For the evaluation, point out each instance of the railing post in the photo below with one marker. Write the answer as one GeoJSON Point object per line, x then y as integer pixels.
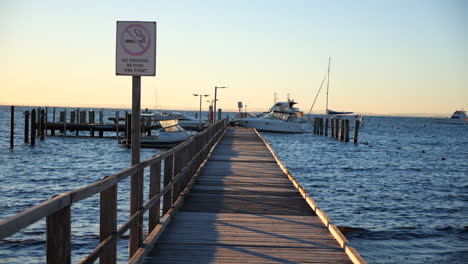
{"type": "Point", "coordinates": [59, 236]}
{"type": "Point", "coordinates": [136, 202]}
{"type": "Point", "coordinates": [168, 173]}
{"type": "Point", "coordinates": [154, 189]}
{"type": "Point", "coordinates": [108, 223]}
{"type": "Point", "coordinates": [178, 164]}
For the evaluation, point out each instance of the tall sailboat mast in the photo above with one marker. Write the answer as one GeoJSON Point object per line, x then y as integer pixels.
{"type": "Point", "coordinates": [328, 84]}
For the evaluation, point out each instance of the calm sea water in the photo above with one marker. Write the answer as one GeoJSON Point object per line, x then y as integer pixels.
{"type": "Point", "coordinates": [403, 189]}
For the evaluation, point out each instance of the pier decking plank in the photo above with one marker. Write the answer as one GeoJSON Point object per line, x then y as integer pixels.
{"type": "Point", "coordinates": [244, 209]}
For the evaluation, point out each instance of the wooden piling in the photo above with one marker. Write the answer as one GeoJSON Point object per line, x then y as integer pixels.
{"type": "Point", "coordinates": [78, 121]}
{"type": "Point", "coordinates": [117, 121]}
{"type": "Point", "coordinates": [42, 125]}
{"type": "Point", "coordinates": [82, 117]}
{"type": "Point", "coordinates": [26, 127]}
{"type": "Point", "coordinates": [72, 117]}
{"type": "Point", "coordinates": [33, 127]}
{"type": "Point", "coordinates": [62, 117]}
{"type": "Point", "coordinates": [91, 117]}
{"type": "Point", "coordinates": [53, 115]}
{"type": "Point", "coordinates": [346, 134]}
{"type": "Point", "coordinates": [12, 126]}
{"type": "Point", "coordinates": [341, 130]}
{"type": "Point", "coordinates": [65, 123]}
{"type": "Point", "coordinates": [315, 127]}
{"type": "Point", "coordinates": [77, 116]}
{"type": "Point", "coordinates": [332, 127]}
{"type": "Point", "coordinates": [101, 117]}
{"type": "Point", "coordinates": [128, 128]}
{"type": "Point", "coordinates": [39, 123]}
{"type": "Point", "coordinates": [321, 126]}
{"type": "Point", "coordinates": [337, 128]}
{"type": "Point", "coordinates": [356, 131]}
{"type": "Point", "coordinates": [101, 121]}
{"type": "Point", "coordinates": [326, 126]}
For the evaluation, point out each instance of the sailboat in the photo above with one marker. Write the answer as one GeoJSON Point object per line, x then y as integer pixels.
{"type": "Point", "coordinates": [330, 112]}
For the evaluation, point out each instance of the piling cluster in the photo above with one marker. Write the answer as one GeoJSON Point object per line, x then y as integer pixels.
{"type": "Point", "coordinates": [337, 128]}
{"type": "Point", "coordinates": [36, 124]}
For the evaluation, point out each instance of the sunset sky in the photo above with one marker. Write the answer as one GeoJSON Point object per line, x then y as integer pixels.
{"type": "Point", "coordinates": [388, 57]}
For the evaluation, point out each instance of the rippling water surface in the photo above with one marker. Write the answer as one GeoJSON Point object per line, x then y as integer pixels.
{"type": "Point", "coordinates": [403, 189]}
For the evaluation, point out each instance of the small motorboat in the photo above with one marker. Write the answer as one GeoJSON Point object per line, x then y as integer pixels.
{"type": "Point", "coordinates": [185, 121]}
{"type": "Point", "coordinates": [170, 134]}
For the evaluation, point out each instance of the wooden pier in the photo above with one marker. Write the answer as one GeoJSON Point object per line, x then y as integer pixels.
{"type": "Point", "coordinates": [220, 197]}
{"type": "Point", "coordinates": [245, 209]}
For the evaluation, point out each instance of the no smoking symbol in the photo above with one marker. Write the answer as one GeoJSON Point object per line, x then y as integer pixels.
{"type": "Point", "coordinates": [135, 40]}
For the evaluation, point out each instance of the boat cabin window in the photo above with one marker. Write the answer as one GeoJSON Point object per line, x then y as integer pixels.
{"type": "Point", "coordinates": [277, 115]}
{"type": "Point", "coordinates": [175, 128]}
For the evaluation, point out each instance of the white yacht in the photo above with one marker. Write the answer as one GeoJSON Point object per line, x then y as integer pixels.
{"type": "Point", "coordinates": [458, 117]}
{"type": "Point", "coordinates": [282, 117]}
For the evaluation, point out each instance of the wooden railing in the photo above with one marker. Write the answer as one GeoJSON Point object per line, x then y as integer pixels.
{"type": "Point", "coordinates": [180, 170]}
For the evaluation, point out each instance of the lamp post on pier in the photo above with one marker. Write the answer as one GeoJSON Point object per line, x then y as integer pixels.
{"type": "Point", "coordinates": [199, 115]}
{"type": "Point", "coordinates": [216, 92]}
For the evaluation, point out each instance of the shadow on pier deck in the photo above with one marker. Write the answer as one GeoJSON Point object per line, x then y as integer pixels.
{"type": "Point", "coordinates": [245, 209]}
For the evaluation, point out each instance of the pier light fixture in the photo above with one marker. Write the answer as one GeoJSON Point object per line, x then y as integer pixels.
{"type": "Point", "coordinates": [216, 93]}
{"type": "Point", "coordinates": [199, 115]}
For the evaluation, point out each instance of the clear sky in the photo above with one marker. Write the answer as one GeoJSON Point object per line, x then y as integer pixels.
{"type": "Point", "coordinates": [388, 57]}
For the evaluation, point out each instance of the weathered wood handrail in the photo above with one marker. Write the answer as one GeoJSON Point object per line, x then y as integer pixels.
{"type": "Point", "coordinates": [180, 164]}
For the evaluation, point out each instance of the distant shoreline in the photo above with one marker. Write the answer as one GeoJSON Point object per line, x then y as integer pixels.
{"type": "Point", "coordinates": [234, 110]}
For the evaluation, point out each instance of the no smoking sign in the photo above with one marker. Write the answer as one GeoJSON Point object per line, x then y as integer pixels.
{"type": "Point", "coordinates": [136, 48]}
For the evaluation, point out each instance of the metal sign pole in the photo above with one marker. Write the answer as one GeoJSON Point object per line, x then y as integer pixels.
{"type": "Point", "coordinates": [136, 57]}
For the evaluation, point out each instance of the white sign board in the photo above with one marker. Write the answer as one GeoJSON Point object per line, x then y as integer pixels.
{"type": "Point", "coordinates": [136, 48]}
